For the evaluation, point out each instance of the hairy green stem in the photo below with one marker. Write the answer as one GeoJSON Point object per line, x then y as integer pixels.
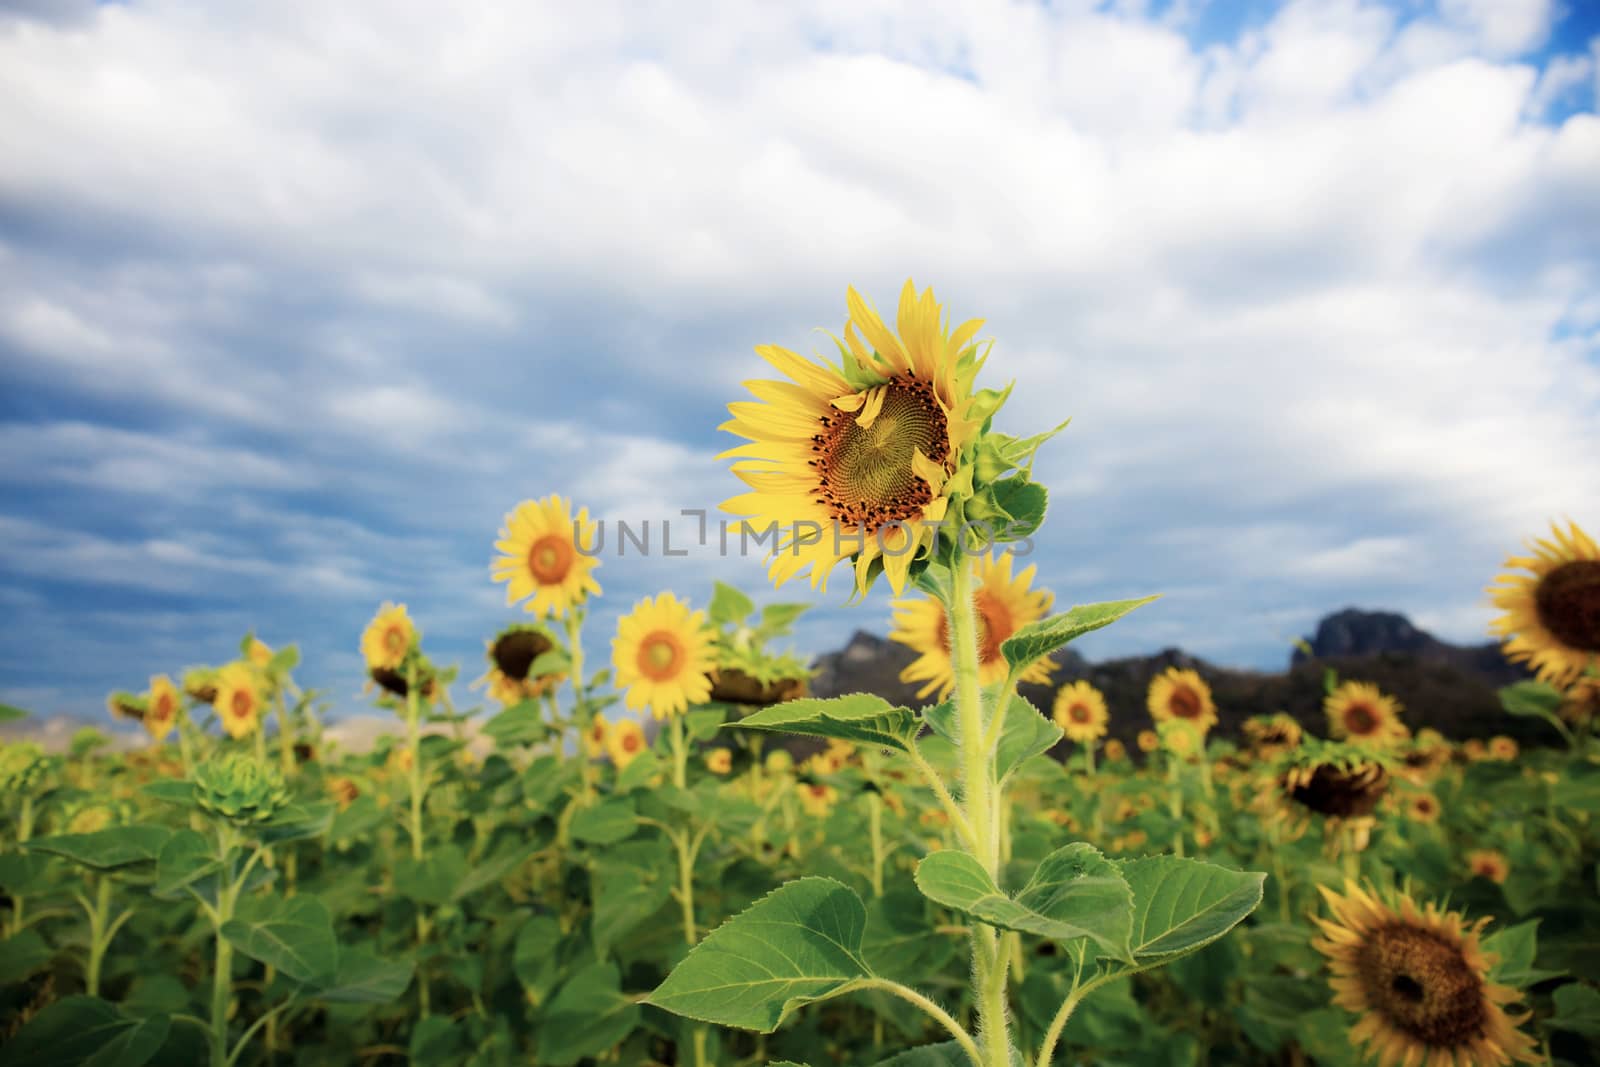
{"type": "Point", "coordinates": [99, 937]}
{"type": "Point", "coordinates": [875, 828]}
{"type": "Point", "coordinates": [932, 1010]}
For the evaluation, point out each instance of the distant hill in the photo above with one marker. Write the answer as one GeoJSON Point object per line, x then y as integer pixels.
{"type": "Point", "coordinates": [1451, 688]}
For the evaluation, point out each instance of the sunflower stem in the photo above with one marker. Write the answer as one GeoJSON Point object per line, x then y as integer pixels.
{"type": "Point", "coordinates": [285, 736]}
{"type": "Point", "coordinates": [574, 626]}
{"type": "Point", "coordinates": [680, 753]}
{"type": "Point", "coordinates": [418, 849]}
{"type": "Point", "coordinates": [978, 792]}
{"type": "Point", "coordinates": [875, 827]}
{"type": "Point", "coordinates": [98, 936]}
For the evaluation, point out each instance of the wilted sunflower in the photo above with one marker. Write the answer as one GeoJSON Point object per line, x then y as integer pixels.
{"type": "Point", "coordinates": [1270, 735]}
{"type": "Point", "coordinates": [512, 655]}
{"type": "Point", "coordinates": [1360, 712]}
{"type": "Point", "coordinates": [1182, 694]}
{"type": "Point", "coordinates": [1336, 790]}
{"type": "Point", "coordinates": [1003, 605]}
{"type": "Point", "coordinates": [662, 653]}
{"type": "Point", "coordinates": [1080, 711]}
{"type": "Point", "coordinates": [549, 556]}
{"type": "Point", "coordinates": [238, 701]}
{"type": "Point", "coordinates": [388, 638]}
{"type": "Point", "coordinates": [855, 459]}
{"type": "Point", "coordinates": [1418, 980]}
{"type": "Point", "coordinates": [1489, 863]}
{"type": "Point", "coordinates": [161, 707]}
{"type": "Point", "coordinates": [624, 742]}
{"type": "Point", "coordinates": [1552, 616]}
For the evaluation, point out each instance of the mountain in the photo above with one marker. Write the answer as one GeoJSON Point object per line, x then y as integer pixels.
{"type": "Point", "coordinates": [1451, 688]}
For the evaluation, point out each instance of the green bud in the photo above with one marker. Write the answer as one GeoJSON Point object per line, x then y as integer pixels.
{"type": "Point", "coordinates": [23, 767]}
{"type": "Point", "coordinates": [239, 789]}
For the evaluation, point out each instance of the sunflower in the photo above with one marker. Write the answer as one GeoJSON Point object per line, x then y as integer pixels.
{"type": "Point", "coordinates": [344, 791]}
{"type": "Point", "coordinates": [1423, 808]}
{"type": "Point", "coordinates": [1147, 740]}
{"type": "Point", "coordinates": [512, 655]}
{"type": "Point", "coordinates": [259, 653]}
{"type": "Point", "coordinates": [1116, 750]}
{"type": "Point", "coordinates": [624, 742]}
{"type": "Point", "coordinates": [818, 799]}
{"type": "Point", "coordinates": [866, 450]}
{"type": "Point", "coordinates": [1180, 738]}
{"type": "Point", "coordinates": [662, 654]}
{"type": "Point", "coordinates": [238, 700]}
{"type": "Point", "coordinates": [1418, 979]}
{"type": "Point", "coordinates": [1080, 711]}
{"type": "Point", "coordinates": [388, 638]}
{"type": "Point", "coordinates": [1003, 603]}
{"type": "Point", "coordinates": [1488, 863]}
{"type": "Point", "coordinates": [549, 557]}
{"type": "Point", "coordinates": [1552, 616]}
{"type": "Point", "coordinates": [161, 707]}
{"type": "Point", "coordinates": [1503, 748]}
{"type": "Point", "coordinates": [1360, 712]}
{"type": "Point", "coordinates": [594, 738]}
{"type": "Point", "coordinates": [123, 705]}
{"type": "Point", "coordinates": [1182, 694]}
{"type": "Point", "coordinates": [1269, 735]}
{"type": "Point", "coordinates": [719, 761]}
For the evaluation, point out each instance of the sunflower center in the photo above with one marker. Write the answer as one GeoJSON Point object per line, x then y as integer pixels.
{"type": "Point", "coordinates": [394, 641]}
{"type": "Point", "coordinates": [1360, 719]}
{"type": "Point", "coordinates": [515, 652]}
{"type": "Point", "coordinates": [549, 559]}
{"type": "Point", "coordinates": [1078, 713]}
{"type": "Point", "coordinates": [630, 743]}
{"type": "Point", "coordinates": [241, 704]}
{"type": "Point", "coordinates": [1343, 794]}
{"type": "Point", "coordinates": [864, 472]}
{"type": "Point", "coordinates": [161, 708]}
{"type": "Point", "coordinates": [1185, 703]}
{"type": "Point", "coordinates": [660, 654]}
{"type": "Point", "coordinates": [1422, 985]}
{"type": "Point", "coordinates": [1568, 603]}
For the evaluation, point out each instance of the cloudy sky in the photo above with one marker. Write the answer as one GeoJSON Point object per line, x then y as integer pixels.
{"type": "Point", "coordinates": [297, 300]}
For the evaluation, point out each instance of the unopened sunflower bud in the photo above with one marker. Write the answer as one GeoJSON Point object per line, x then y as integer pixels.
{"type": "Point", "coordinates": [240, 790]}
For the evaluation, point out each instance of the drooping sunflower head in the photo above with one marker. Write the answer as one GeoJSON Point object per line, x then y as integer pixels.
{"type": "Point", "coordinates": [1488, 863]}
{"type": "Point", "coordinates": [1182, 694]}
{"type": "Point", "coordinates": [549, 557]}
{"type": "Point", "coordinates": [1003, 603]}
{"type": "Point", "coordinates": [624, 742]}
{"type": "Point", "coordinates": [1080, 711]}
{"type": "Point", "coordinates": [662, 655]}
{"type": "Point", "coordinates": [388, 638]}
{"type": "Point", "coordinates": [162, 704]}
{"type": "Point", "coordinates": [201, 683]}
{"type": "Point", "coordinates": [1271, 735]}
{"type": "Point", "coordinates": [1417, 979]}
{"type": "Point", "coordinates": [238, 701]}
{"type": "Point", "coordinates": [1363, 714]}
{"type": "Point", "coordinates": [1335, 779]}
{"type": "Point", "coordinates": [1552, 615]}
{"type": "Point", "coordinates": [124, 705]}
{"type": "Point", "coordinates": [512, 656]}
{"type": "Point", "coordinates": [854, 459]}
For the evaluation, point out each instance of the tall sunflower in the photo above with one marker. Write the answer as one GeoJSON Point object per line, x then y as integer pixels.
{"type": "Point", "coordinates": [1003, 604]}
{"type": "Point", "coordinates": [1182, 694]}
{"type": "Point", "coordinates": [1362, 713]}
{"type": "Point", "coordinates": [1552, 616]}
{"type": "Point", "coordinates": [856, 459]}
{"type": "Point", "coordinates": [161, 707]}
{"type": "Point", "coordinates": [662, 655]}
{"type": "Point", "coordinates": [387, 638]}
{"type": "Point", "coordinates": [550, 556]}
{"type": "Point", "coordinates": [1418, 980]}
{"type": "Point", "coordinates": [238, 701]}
{"type": "Point", "coordinates": [1080, 711]}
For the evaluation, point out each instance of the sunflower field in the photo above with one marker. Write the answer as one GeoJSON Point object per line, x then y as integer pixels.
{"type": "Point", "coordinates": [655, 846]}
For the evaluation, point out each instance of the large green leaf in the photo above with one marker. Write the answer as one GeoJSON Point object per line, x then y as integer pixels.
{"type": "Point", "coordinates": [1180, 905]}
{"type": "Point", "coordinates": [104, 850]}
{"type": "Point", "coordinates": [493, 868]}
{"type": "Point", "coordinates": [534, 958]}
{"type": "Point", "coordinates": [1045, 636]}
{"type": "Point", "coordinates": [588, 1015]}
{"type": "Point", "coordinates": [520, 724]}
{"type": "Point", "coordinates": [859, 717]}
{"type": "Point", "coordinates": [293, 935]}
{"type": "Point", "coordinates": [296, 823]}
{"type": "Point", "coordinates": [1024, 734]}
{"type": "Point", "coordinates": [363, 978]}
{"type": "Point", "coordinates": [1075, 892]}
{"type": "Point", "coordinates": [433, 879]}
{"type": "Point", "coordinates": [798, 944]}
{"type": "Point", "coordinates": [1531, 699]}
{"type": "Point", "coordinates": [607, 822]}
{"type": "Point", "coordinates": [631, 882]}
{"type": "Point", "coordinates": [85, 1032]}
{"type": "Point", "coordinates": [728, 605]}
{"type": "Point", "coordinates": [186, 862]}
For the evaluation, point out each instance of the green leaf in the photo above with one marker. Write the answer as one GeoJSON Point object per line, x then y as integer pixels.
{"type": "Point", "coordinates": [776, 619]}
{"type": "Point", "coordinates": [798, 944]}
{"type": "Point", "coordinates": [104, 850]}
{"type": "Point", "coordinates": [186, 862]}
{"type": "Point", "coordinates": [1022, 504]}
{"type": "Point", "coordinates": [1578, 789]}
{"type": "Point", "coordinates": [1045, 636]}
{"type": "Point", "coordinates": [433, 879]}
{"type": "Point", "coordinates": [533, 956]}
{"type": "Point", "coordinates": [1531, 699]}
{"type": "Point", "coordinates": [1577, 1010]}
{"type": "Point", "coordinates": [363, 978]}
{"type": "Point", "coordinates": [1025, 733]}
{"type": "Point", "coordinates": [859, 717]}
{"type": "Point", "coordinates": [520, 724]}
{"type": "Point", "coordinates": [293, 935]}
{"type": "Point", "coordinates": [1517, 946]}
{"type": "Point", "coordinates": [297, 822]}
{"type": "Point", "coordinates": [85, 1032]}
{"type": "Point", "coordinates": [631, 882]}
{"type": "Point", "coordinates": [169, 791]}
{"type": "Point", "coordinates": [21, 954]}
{"type": "Point", "coordinates": [8, 713]}
{"type": "Point", "coordinates": [1075, 892]}
{"type": "Point", "coordinates": [729, 606]}
{"type": "Point", "coordinates": [605, 823]}
{"type": "Point", "coordinates": [1180, 905]}
{"type": "Point", "coordinates": [493, 868]}
{"type": "Point", "coordinates": [641, 770]}
{"type": "Point", "coordinates": [701, 724]}
{"type": "Point", "coordinates": [587, 1016]}
{"type": "Point", "coordinates": [554, 661]}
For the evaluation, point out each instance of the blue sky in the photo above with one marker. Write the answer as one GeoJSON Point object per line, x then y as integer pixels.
{"type": "Point", "coordinates": [295, 306]}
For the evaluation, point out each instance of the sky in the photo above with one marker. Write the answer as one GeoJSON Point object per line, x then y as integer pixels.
{"type": "Point", "coordinates": [297, 301]}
